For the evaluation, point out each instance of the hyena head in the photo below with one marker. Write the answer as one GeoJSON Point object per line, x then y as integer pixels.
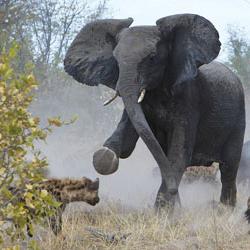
{"type": "Point", "coordinates": [82, 189]}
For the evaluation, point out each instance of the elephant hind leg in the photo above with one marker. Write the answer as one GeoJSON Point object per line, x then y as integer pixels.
{"type": "Point", "coordinates": [231, 154]}
{"type": "Point", "coordinates": [229, 189]}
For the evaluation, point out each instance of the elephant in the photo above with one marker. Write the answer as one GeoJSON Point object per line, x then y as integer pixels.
{"type": "Point", "coordinates": [188, 109]}
{"type": "Point", "coordinates": [244, 166]}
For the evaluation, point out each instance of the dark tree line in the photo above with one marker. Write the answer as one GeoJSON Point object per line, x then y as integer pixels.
{"type": "Point", "coordinates": [44, 28]}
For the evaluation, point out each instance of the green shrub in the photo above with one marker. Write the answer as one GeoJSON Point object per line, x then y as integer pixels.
{"type": "Point", "coordinates": [21, 164]}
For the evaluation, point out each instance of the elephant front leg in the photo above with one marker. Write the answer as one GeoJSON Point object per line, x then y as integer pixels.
{"type": "Point", "coordinates": [179, 151]}
{"type": "Point", "coordinates": [166, 198]}
{"type": "Point", "coordinates": [120, 145]}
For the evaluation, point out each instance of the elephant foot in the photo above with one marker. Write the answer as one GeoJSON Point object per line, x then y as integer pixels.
{"type": "Point", "coordinates": [105, 161]}
{"type": "Point", "coordinates": [228, 195]}
{"type": "Point", "coordinates": [165, 203]}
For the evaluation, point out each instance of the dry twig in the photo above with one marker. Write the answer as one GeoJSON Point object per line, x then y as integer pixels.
{"type": "Point", "coordinates": [110, 238]}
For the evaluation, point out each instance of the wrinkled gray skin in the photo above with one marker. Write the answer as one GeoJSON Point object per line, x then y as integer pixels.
{"type": "Point", "coordinates": [193, 112]}
{"type": "Point", "coordinates": [244, 167]}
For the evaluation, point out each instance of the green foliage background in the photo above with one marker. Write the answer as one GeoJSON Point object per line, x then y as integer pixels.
{"type": "Point", "coordinates": [238, 48]}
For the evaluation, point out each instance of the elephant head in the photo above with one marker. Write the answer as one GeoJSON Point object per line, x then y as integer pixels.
{"type": "Point", "coordinates": [133, 60]}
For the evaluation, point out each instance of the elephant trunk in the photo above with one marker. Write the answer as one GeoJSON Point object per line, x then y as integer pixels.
{"type": "Point", "coordinates": [130, 92]}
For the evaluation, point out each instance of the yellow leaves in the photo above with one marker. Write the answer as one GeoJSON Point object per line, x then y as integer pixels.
{"type": "Point", "coordinates": [29, 196]}
{"type": "Point", "coordinates": [13, 50]}
{"type": "Point", "coordinates": [3, 68]}
{"type": "Point", "coordinates": [20, 152]}
{"type": "Point", "coordinates": [31, 78]}
{"type": "Point", "coordinates": [5, 71]}
{"type": "Point", "coordinates": [16, 248]}
{"type": "Point", "coordinates": [2, 171]}
{"type": "Point", "coordinates": [21, 164]}
{"type": "Point", "coordinates": [29, 186]}
{"type": "Point", "coordinates": [12, 248]}
{"type": "Point", "coordinates": [73, 119]}
{"type": "Point", "coordinates": [29, 203]}
{"type": "Point", "coordinates": [31, 121]}
{"type": "Point", "coordinates": [9, 210]}
{"type": "Point", "coordinates": [2, 90]}
{"type": "Point", "coordinates": [13, 91]}
{"type": "Point", "coordinates": [36, 120]}
{"type": "Point", "coordinates": [41, 134]}
{"type": "Point", "coordinates": [44, 193]}
{"type": "Point", "coordinates": [55, 121]}
{"type": "Point", "coordinates": [6, 193]}
{"type": "Point", "coordinates": [33, 245]}
{"type": "Point", "coordinates": [3, 98]}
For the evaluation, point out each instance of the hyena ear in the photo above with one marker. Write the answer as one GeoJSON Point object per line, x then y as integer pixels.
{"type": "Point", "coordinates": [94, 185]}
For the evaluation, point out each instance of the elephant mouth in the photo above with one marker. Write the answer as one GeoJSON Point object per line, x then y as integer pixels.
{"type": "Point", "coordinates": [140, 98]}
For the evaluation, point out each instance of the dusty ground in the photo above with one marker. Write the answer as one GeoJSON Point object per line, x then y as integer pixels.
{"type": "Point", "coordinates": [113, 226]}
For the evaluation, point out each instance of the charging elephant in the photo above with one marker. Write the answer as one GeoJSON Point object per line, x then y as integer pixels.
{"type": "Point", "coordinates": [187, 109]}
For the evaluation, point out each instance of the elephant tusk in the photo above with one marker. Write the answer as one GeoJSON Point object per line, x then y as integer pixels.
{"type": "Point", "coordinates": [142, 95]}
{"type": "Point", "coordinates": [110, 100]}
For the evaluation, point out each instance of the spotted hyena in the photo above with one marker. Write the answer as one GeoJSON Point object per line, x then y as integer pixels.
{"type": "Point", "coordinates": [66, 191]}
{"type": "Point", "coordinates": [207, 174]}
{"type": "Point", "coordinates": [195, 173]}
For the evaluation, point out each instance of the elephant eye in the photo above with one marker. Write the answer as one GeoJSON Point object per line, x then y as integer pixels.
{"type": "Point", "coordinates": [152, 58]}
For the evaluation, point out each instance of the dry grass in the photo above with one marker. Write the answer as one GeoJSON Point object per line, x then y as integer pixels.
{"type": "Point", "coordinates": [210, 226]}
{"type": "Point", "coordinates": [194, 226]}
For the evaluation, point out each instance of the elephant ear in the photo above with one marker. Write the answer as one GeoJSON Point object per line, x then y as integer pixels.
{"type": "Point", "coordinates": [193, 41]}
{"type": "Point", "coordinates": [89, 58]}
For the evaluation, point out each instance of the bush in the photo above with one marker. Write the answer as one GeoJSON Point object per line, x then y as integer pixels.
{"type": "Point", "coordinates": [21, 164]}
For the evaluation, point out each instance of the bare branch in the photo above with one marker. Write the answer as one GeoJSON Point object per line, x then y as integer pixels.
{"type": "Point", "coordinates": [110, 238]}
